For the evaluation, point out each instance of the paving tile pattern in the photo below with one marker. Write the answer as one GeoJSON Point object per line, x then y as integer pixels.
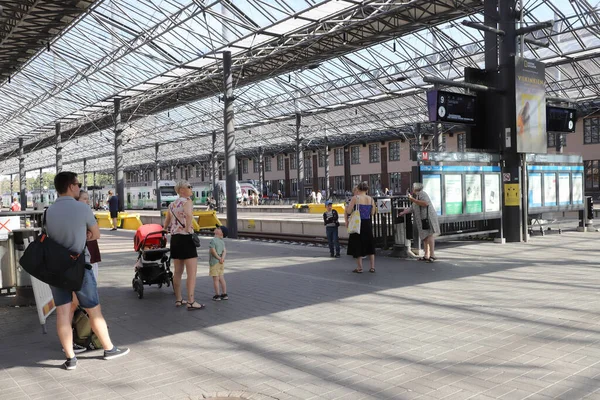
{"type": "Point", "coordinates": [488, 321]}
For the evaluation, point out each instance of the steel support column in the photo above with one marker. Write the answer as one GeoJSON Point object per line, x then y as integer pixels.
{"type": "Point", "coordinates": [299, 161]}
{"type": "Point", "coordinates": [58, 148]}
{"type": "Point", "coordinates": [229, 139]}
{"type": "Point", "coordinates": [41, 202]}
{"type": "Point", "coordinates": [326, 161]}
{"type": "Point", "coordinates": [156, 182]}
{"type": "Point", "coordinates": [119, 166]}
{"type": "Point", "coordinates": [84, 174]}
{"type": "Point", "coordinates": [214, 168]}
{"type": "Point", "coordinates": [22, 177]}
{"type": "Point", "coordinates": [512, 217]}
{"type": "Point", "coordinates": [261, 172]}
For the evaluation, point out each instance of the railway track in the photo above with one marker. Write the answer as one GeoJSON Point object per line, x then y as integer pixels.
{"type": "Point", "coordinates": [285, 238]}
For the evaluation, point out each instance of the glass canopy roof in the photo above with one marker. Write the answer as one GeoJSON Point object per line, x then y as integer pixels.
{"type": "Point", "coordinates": [163, 58]}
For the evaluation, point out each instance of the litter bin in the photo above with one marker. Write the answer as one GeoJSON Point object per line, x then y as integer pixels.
{"type": "Point", "coordinates": [8, 279]}
{"type": "Point", "coordinates": [23, 279]}
{"type": "Point", "coordinates": [400, 240]}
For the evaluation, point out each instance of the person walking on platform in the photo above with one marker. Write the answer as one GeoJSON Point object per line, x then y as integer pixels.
{"type": "Point", "coordinates": [362, 244]}
{"type": "Point", "coordinates": [319, 197]}
{"type": "Point", "coordinates": [178, 223]}
{"type": "Point", "coordinates": [70, 223]}
{"type": "Point", "coordinates": [331, 220]}
{"type": "Point", "coordinates": [113, 208]}
{"type": "Point", "coordinates": [280, 197]}
{"type": "Point", "coordinates": [426, 219]}
{"type": "Point", "coordinates": [15, 206]}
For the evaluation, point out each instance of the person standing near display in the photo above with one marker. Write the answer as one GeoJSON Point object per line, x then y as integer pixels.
{"type": "Point", "coordinates": [425, 218]}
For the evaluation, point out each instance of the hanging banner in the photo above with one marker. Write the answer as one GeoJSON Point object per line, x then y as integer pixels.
{"type": "Point", "coordinates": [492, 192]}
{"type": "Point", "coordinates": [577, 188]}
{"type": "Point", "coordinates": [473, 188]}
{"type": "Point", "coordinates": [550, 189]}
{"type": "Point", "coordinates": [530, 94]}
{"type": "Point", "coordinates": [535, 189]}
{"type": "Point", "coordinates": [453, 188]}
{"type": "Point", "coordinates": [564, 189]}
{"type": "Point", "coordinates": [432, 185]}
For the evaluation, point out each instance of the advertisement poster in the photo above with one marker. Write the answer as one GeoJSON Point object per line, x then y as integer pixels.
{"type": "Point", "coordinates": [577, 188]}
{"type": "Point", "coordinates": [550, 189]}
{"type": "Point", "coordinates": [531, 106]}
{"type": "Point", "coordinates": [432, 185]}
{"type": "Point", "coordinates": [564, 189]}
{"type": "Point", "coordinates": [454, 201]}
{"type": "Point", "coordinates": [473, 189]}
{"type": "Point", "coordinates": [492, 192]}
{"type": "Point", "coordinates": [535, 190]}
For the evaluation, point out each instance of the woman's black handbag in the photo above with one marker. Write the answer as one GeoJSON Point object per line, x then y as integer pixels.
{"type": "Point", "coordinates": [425, 221]}
{"type": "Point", "coordinates": [195, 237]}
{"type": "Point", "coordinates": [52, 263]}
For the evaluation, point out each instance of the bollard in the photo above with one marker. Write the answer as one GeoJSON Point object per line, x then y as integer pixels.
{"type": "Point", "coordinates": [400, 249]}
{"type": "Point", "coordinates": [586, 216]}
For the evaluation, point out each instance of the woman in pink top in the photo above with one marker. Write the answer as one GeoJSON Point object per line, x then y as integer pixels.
{"type": "Point", "coordinates": [183, 250]}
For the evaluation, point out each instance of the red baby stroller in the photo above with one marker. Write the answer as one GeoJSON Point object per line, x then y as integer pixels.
{"type": "Point", "coordinates": [153, 263]}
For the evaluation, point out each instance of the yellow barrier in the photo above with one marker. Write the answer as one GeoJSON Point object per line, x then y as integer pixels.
{"type": "Point", "coordinates": [320, 208]}
{"type": "Point", "coordinates": [129, 221]}
{"type": "Point", "coordinates": [206, 220]}
{"type": "Point", "coordinates": [104, 220]}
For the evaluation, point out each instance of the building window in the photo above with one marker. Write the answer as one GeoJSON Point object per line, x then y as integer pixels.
{"type": "Point", "coordinates": [267, 161]}
{"type": "Point", "coordinates": [551, 140]}
{"type": "Point", "coordinates": [591, 130]}
{"type": "Point", "coordinates": [592, 175]}
{"type": "Point", "coordinates": [255, 165]}
{"type": "Point", "coordinates": [294, 185]}
{"type": "Point", "coordinates": [394, 151]}
{"type": "Point", "coordinates": [395, 183]}
{"type": "Point", "coordinates": [245, 166]}
{"type": "Point", "coordinates": [374, 153]}
{"type": "Point", "coordinates": [308, 170]}
{"type": "Point", "coordinates": [355, 180]}
{"type": "Point", "coordinates": [338, 185]}
{"type": "Point", "coordinates": [321, 159]}
{"type": "Point", "coordinates": [375, 185]}
{"type": "Point", "coordinates": [355, 155]}
{"type": "Point", "coordinates": [292, 160]}
{"type": "Point", "coordinates": [322, 183]}
{"type": "Point", "coordinates": [461, 141]}
{"type": "Point", "coordinates": [279, 162]}
{"type": "Point", "coordinates": [338, 155]}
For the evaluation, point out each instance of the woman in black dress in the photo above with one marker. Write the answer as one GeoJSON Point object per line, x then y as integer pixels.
{"type": "Point", "coordinates": [362, 244]}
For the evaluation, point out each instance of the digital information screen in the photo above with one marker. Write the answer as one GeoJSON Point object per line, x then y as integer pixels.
{"type": "Point", "coordinates": [446, 106]}
{"type": "Point", "coordinates": [560, 119]}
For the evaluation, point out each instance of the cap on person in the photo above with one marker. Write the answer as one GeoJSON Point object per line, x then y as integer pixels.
{"type": "Point", "coordinates": [328, 202]}
{"type": "Point", "coordinates": [224, 230]}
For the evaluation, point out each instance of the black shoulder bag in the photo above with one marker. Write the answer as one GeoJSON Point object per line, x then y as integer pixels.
{"type": "Point", "coordinates": [52, 263]}
{"type": "Point", "coordinates": [425, 221]}
{"type": "Point", "coordinates": [195, 237]}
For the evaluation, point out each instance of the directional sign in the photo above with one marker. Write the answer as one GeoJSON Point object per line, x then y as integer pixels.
{"type": "Point", "coordinates": [384, 206]}
{"type": "Point", "coordinates": [7, 225]}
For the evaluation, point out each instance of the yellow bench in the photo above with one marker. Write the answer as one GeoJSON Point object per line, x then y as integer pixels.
{"type": "Point", "coordinates": [129, 221]}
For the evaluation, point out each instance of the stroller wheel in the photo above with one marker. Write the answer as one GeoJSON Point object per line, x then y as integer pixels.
{"type": "Point", "coordinates": [138, 286]}
{"type": "Point", "coordinates": [140, 292]}
{"type": "Point", "coordinates": [134, 284]}
{"type": "Point", "coordinates": [160, 285]}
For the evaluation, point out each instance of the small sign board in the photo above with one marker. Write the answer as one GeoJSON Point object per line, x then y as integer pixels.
{"type": "Point", "coordinates": [8, 224]}
{"type": "Point", "coordinates": [506, 176]}
{"type": "Point", "coordinates": [384, 206]}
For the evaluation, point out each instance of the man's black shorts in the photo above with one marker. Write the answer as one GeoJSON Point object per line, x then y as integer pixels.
{"type": "Point", "coordinates": [113, 214]}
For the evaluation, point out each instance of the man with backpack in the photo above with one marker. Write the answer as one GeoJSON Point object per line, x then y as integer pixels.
{"type": "Point", "coordinates": [71, 223]}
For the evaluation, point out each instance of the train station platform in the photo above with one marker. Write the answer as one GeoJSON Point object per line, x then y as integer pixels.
{"type": "Point", "coordinates": [485, 321]}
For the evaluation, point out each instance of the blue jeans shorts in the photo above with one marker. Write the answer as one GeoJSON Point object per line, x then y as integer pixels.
{"type": "Point", "coordinates": [87, 296]}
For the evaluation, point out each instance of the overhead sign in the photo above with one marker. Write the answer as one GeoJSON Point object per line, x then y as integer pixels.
{"type": "Point", "coordinates": [384, 206]}
{"type": "Point", "coordinates": [530, 91]}
{"type": "Point", "coordinates": [464, 157]}
{"type": "Point", "coordinates": [560, 119]}
{"type": "Point", "coordinates": [8, 224]}
{"type": "Point", "coordinates": [447, 106]}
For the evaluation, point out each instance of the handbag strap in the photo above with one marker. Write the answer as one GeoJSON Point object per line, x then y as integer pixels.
{"type": "Point", "coordinates": [177, 219]}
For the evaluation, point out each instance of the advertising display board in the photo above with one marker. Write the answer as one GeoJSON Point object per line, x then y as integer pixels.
{"type": "Point", "coordinates": [549, 189]}
{"type": "Point", "coordinates": [492, 192]}
{"type": "Point", "coordinates": [453, 189]}
{"type": "Point", "coordinates": [530, 94]}
{"type": "Point", "coordinates": [432, 185]}
{"type": "Point", "coordinates": [577, 188]}
{"type": "Point", "coordinates": [564, 189]}
{"type": "Point", "coordinates": [535, 190]}
{"type": "Point", "coordinates": [473, 194]}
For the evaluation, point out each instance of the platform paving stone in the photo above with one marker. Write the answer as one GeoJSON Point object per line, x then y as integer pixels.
{"type": "Point", "coordinates": [486, 321]}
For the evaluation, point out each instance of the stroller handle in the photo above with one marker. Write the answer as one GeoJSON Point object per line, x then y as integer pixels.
{"type": "Point", "coordinates": [162, 232]}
